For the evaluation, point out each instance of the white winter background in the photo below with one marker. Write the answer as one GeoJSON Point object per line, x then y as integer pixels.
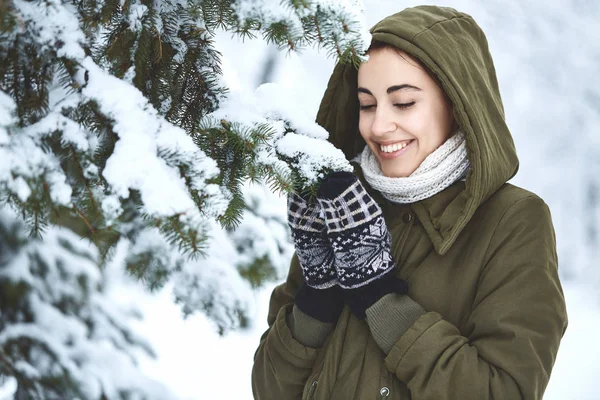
{"type": "Point", "coordinates": [546, 56]}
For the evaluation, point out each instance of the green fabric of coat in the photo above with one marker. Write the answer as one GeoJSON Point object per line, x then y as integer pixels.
{"type": "Point", "coordinates": [479, 257]}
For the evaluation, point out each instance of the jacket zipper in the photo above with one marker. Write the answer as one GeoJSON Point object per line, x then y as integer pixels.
{"type": "Point", "coordinates": [399, 248]}
{"type": "Point", "coordinates": [312, 390]}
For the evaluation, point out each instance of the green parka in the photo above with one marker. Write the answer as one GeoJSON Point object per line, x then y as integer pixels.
{"type": "Point", "coordinates": [479, 257]}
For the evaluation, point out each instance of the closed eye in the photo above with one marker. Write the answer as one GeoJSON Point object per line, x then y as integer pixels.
{"type": "Point", "coordinates": [404, 105]}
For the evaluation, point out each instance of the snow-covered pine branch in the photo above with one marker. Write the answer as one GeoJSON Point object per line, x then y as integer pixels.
{"type": "Point", "coordinates": [337, 26]}
{"type": "Point", "coordinates": [295, 147]}
{"type": "Point", "coordinates": [61, 336]}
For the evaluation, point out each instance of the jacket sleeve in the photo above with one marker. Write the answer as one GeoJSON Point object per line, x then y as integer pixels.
{"type": "Point", "coordinates": [517, 320]}
{"type": "Point", "coordinates": [282, 365]}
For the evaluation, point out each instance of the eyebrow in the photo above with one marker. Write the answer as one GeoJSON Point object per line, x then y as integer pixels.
{"type": "Point", "coordinates": [392, 89]}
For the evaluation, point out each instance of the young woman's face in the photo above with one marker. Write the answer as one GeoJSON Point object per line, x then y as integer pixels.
{"type": "Point", "coordinates": [404, 114]}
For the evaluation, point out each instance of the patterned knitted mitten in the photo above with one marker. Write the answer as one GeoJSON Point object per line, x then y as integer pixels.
{"type": "Point", "coordinates": [310, 240]}
{"type": "Point", "coordinates": [357, 231]}
{"type": "Point", "coordinates": [361, 243]}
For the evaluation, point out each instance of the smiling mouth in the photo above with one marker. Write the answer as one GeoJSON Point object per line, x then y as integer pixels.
{"type": "Point", "coordinates": [395, 146]}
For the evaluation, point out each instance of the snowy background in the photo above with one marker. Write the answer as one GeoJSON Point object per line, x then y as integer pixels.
{"type": "Point", "coordinates": [546, 56]}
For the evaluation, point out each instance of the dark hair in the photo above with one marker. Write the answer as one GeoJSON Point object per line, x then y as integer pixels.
{"type": "Point", "coordinates": [379, 45]}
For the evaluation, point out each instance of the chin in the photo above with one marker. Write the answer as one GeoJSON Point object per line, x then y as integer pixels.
{"type": "Point", "coordinates": [395, 168]}
{"type": "Point", "coordinates": [396, 172]}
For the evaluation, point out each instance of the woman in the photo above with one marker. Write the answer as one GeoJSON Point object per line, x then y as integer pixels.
{"type": "Point", "coordinates": [424, 275]}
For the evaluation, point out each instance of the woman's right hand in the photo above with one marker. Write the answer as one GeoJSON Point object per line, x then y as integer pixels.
{"type": "Point", "coordinates": [310, 241]}
{"type": "Point", "coordinates": [319, 296]}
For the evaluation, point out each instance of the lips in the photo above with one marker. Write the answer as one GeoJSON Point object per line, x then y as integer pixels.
{"type": "Point", "coordinates": [394, 150]}
{"type": "Point", "coordinates": [390, 148]}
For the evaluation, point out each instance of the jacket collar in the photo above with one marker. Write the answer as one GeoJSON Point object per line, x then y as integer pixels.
{"type": "Point", "coordinates": [437, 214]}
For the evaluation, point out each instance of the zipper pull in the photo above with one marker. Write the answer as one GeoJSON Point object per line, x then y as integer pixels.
{"type": "Point", "coordinates": [384, 393]}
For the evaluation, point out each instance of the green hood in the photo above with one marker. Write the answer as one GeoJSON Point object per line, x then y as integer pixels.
{"type": "Point", "coordinates": [454, 48]}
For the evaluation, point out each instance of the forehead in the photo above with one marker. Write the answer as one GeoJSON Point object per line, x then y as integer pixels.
{"type": "Point", "coordinates": [389, 67]}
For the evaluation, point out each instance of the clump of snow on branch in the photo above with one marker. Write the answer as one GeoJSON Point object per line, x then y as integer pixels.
{"type": "Point", "coordinates": [296, 135]}
{"type": "Point", "coordinates": [135, 163]}
{"type": "Point", "coordinates": [52, 23]}
{"type": "Point", "coordinates": [22, 156]}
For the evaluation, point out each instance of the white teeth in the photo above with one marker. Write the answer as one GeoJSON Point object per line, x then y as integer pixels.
{"type": "Point", "coordinates": [393, 147]}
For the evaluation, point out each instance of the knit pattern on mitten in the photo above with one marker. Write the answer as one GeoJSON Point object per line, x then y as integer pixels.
{"type": "Point", "coordinates": [313, 249]}
{"type": "Point", "coordinates": [357, 231]}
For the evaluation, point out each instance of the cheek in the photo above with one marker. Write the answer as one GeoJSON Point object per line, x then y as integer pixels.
{"type": "Point", "coordinates": [425, 125]}
{"type": "Point", "coordinates": [416, 123]}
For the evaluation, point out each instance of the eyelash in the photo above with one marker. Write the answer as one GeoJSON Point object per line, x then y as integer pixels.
{"type": "Point", "coordinates": [401, 106]}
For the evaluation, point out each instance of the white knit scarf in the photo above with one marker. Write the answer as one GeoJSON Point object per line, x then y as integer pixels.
{"type": "Point", "coordinates": [440, 169]}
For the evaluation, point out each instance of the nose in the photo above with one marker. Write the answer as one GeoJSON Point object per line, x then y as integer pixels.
{"type": "Point", "coordinates": [383, 122]}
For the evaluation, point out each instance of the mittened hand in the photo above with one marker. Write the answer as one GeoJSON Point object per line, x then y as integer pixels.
{"type": "Point", "coordinates": [310, 240]}
{"type": "Point", "coordinates": [361, 242]}
{"type": "Point", "coordinates": [342, 240]}
{"type": "Point", "coordinates": [356, 229]}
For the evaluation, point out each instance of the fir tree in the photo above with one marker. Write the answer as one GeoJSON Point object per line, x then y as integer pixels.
{"type": "Point", "coordinates": [115, 127]}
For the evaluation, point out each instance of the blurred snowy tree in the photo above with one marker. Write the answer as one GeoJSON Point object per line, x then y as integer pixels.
{"type": "Point", "coordinates": [60, 336]}
{"type": "Point", "coordinates": [116, 127]}
{"type": "Point", "coordinates": [262, 240]}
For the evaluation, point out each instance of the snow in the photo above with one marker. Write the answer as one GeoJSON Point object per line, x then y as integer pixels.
{"type": "Point", "coordinates": [264, 231]}
{"type": "Point", "coordinates": [7, 107]}
{"type": "Point", "coordinates": [51, 24]}
{"type": "Point", "coordinates": [277, 106]}
{"type": "Point", "coordinates": [537, 112]}
{"type": "Point", "coordinates": [135, 17]}
{"type": "Point", "coordinates": [269, 11]}
{"type": "Point", "coordinates": [551, 107]}
{"type": "Point", "coordinates": [576, 370]}
{"type": "Point", "coordinates": [20, 188]}
{"type": "Point", "coordinates": [21, 157]}
{"type": "Point", "coordinates": [194, 361]}
{"type": "Point", "coordinates": [90, 341]}
{"type": "Point", "coordinates": [111, 206]}
{"type": "Point", "coordinates": [312, 154]}
{"type": "Point", "coordinates": [211, 284]}
{"type": "Point", "coordinates": [142, 132]}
